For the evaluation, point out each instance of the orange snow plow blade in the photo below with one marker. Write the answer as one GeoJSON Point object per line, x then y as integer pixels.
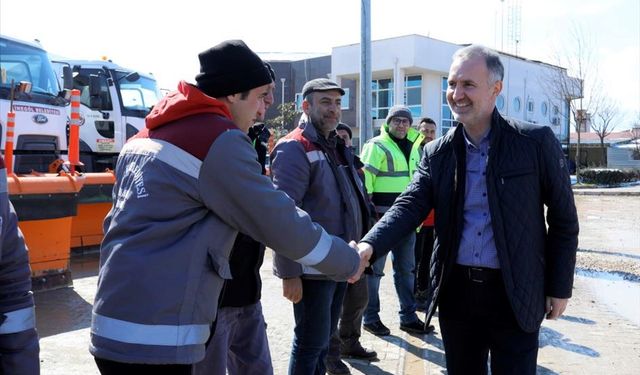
{"type": "Point", "coordinates": [94, 202]}
{"type": "Point", "coordinates": [45, 204]}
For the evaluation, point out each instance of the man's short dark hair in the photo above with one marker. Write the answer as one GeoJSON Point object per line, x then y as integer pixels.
{"type": "Point", "coordinates": [491, 58]}
{"type": "Point", "coordinates": [345, 127]}
{"type": "Point", "coordinates": [428, 120]}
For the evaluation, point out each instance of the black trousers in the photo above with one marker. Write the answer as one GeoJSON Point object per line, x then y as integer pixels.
{"type": "Point", "coordinates": [107, 367]}
{"type": "Point", "coordinates": [347, 336]}
{"type": "Point", "coordinates": [476, 319]}
{"type": "Point", "coordinates": [423, 250]}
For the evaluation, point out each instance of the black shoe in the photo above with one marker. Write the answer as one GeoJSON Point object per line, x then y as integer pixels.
{"type": "Point", "coordinates": [337, 367]}
{"type": "Point", "coordinates": [417, 327]}
{"type": "Point", "coordinates": [356, 351]}
{"type": "Point", "coordinates": [377, 328]}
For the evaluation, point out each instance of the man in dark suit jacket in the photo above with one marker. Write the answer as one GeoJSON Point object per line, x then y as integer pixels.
{"type": "Point", "coordinates": [496, 269]}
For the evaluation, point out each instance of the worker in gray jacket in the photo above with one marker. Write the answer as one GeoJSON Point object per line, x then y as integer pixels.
{"type": "Point", "coordinates": [185, 186]}
{"type": "Point", "coordinates": [19, 347]}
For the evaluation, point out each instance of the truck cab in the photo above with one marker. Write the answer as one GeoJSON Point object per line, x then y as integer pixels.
{"type": "Point", "coordinates": [38, 103]}
{"type": "Point", "coordinates": [113, 104]}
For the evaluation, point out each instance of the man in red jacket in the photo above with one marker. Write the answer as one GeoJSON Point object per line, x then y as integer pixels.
{"type": "Point", "coordinates": [239, 344]}
{"type": "Point", "coordinates": [424, 238]}
{"type": "Point", "coordinates": [186, 185]}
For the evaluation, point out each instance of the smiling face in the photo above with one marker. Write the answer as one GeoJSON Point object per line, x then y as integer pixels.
{"type": "Point", "coordinates": [323, 108]}
{"type": "Point", "coordinates": [427, 129]}
{"type": "Point", "coordinates": [399, 126]}
{"type": "Point", "coordinates": [470, 93]}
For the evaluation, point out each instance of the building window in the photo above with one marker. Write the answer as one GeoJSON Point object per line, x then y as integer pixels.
{"type": "Point", "coordinates": [530, 106]}
{"type": "Point", "coordinates": [345, 99]}
{"type": "Point", "coordinates": [382, 93]}
{"type": "Point", "coordinates": [500, 102]}
{"type": "Point", "coordinates": [413, 95]}
{"type": "Point", "coordinates": [299, 102]}
{"type": "Point", "coordinates": [543, 108]}
{"type": "Point", "coordinates": [516, 104]}
{"type": "Point", "coordinates": [447, 117]}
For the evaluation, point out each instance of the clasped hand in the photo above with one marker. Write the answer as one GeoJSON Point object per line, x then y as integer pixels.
{"type": "Point", "coordinates": [364, 251]}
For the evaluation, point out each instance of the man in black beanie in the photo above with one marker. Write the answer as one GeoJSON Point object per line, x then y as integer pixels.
{"type": "Point", "coordinates": [186, 185]}
{"type": "Point", "coordinates": [239, 344]}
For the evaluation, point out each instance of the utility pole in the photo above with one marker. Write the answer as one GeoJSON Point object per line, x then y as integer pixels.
{"type": "Point", "coordinates": [366, 129]}
{"type": "Point", "coordinates": [282, 81]}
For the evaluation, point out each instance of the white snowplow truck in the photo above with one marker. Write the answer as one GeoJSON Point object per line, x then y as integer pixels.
{"type": "Point", "coordinates": [38, 102]}
{"type": "Point", "coordinates": [113, 104]}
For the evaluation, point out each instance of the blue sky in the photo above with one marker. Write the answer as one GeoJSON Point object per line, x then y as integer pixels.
{"type": "Point", "coordinates": [165, 38]}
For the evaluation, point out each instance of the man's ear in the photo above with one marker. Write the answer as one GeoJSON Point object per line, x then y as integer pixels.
{"type": "Point", "coordinates": [305, 106]}
{"type": "Point", "coordinates": [233, 98]}
{"type": "Point", "coordinates": [497, 88]}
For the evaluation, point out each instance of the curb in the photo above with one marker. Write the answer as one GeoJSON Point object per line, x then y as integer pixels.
{"type": "Point", "coordinates": [605, 192]}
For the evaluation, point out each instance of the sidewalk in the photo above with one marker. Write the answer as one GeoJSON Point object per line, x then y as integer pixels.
{"type": "Point", "coordinates": [631, 190]}
{"type": "Point", "coordinates": [589, 339]}
{"type": "Point", "coordinates": [599, 334]}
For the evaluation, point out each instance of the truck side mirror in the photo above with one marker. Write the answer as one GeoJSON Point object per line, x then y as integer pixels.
{"type": "Point", "coordinates": [67, 78]}
{"type": "Point", "coordinates": [94, 85]}
{"type": "Point", "coordinates": [131, 77]}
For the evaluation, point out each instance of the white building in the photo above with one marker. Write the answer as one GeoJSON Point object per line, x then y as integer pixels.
{"type": "Point", "coordinates": [421, 64]}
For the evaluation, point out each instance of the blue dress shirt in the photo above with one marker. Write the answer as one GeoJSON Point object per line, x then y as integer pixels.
{"type": "Point", "coordinates": [477, 246]}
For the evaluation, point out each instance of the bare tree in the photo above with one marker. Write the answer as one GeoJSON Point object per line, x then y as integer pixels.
{"type": "Point", "coordinates": [604, 122]}
{"type": "Point", "coordinates": [284, 122]}
{"type": "Point", "coordinates": [635, 138]}
{"type": "Point", "coordinates": [578, 87]}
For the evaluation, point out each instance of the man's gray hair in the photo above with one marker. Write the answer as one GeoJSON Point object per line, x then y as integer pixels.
{"type": "Point", "coordinates": [491, 58]}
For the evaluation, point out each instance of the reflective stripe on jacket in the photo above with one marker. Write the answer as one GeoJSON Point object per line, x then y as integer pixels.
{"type": "Point", "coordinates": [183, 191]}
{"type": "Point", "coordinates": [333, 195]}
{"type": "Point", "coordinates": [386, 170]}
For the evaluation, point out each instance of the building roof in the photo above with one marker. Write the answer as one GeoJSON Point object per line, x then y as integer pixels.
{"type": "Point", "coordinates": [290, 56]}
{"type": "Point", "coordinates": [459, 45]}
{"type": "Point", "coordinates": [591, 137]}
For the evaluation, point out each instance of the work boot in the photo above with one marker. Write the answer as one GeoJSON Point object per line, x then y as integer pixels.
{"type": "Point", "coordinates": [377, 328]}
{"type": "Point", "coordinates": [417, 327]}
{"type": "Point", "coordinates": [356, 351]}
{"type": "Point", "coordinates": [336, 367]}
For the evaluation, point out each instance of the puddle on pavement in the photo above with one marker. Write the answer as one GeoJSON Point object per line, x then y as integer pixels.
{"type": "Point", "coordinates": [69, 309]}
{"type": "Point", "coordinates": [622, 296]}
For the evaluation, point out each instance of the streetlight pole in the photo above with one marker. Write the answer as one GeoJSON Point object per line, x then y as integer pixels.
{"type": "Point", "coordinates": [282, 80]}
{"type": "Point", "coordinates": [366, 126]}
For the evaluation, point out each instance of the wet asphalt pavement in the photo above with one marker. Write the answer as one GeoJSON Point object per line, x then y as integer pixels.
{"type": "Point", "coordinates": [593, 337]}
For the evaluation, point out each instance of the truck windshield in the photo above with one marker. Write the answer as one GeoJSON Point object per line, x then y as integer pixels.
{"type": "Point", "coordinates": [138, 96]}
{"type": "Point", "coordinates": [22, 62]}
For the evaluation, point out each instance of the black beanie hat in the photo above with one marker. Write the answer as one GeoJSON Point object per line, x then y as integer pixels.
{"type": "Point", "coordinates": [345, 127]}
{"type": "Point", "coordinates": [230, 68]}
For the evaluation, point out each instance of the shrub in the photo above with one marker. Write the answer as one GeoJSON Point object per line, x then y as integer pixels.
{"type": "Point", "coordinates": [603, 176]}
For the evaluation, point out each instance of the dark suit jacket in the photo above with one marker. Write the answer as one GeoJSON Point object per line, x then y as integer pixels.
{"type": "Point", "coordinates": [526, 171]}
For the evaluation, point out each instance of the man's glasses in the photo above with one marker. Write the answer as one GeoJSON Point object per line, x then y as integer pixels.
{"type": "Point", "coordinates": [400, 121]}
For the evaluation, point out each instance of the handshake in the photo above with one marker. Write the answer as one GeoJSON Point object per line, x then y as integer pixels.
{"type": "Point", "coordinates": [364, 251]}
